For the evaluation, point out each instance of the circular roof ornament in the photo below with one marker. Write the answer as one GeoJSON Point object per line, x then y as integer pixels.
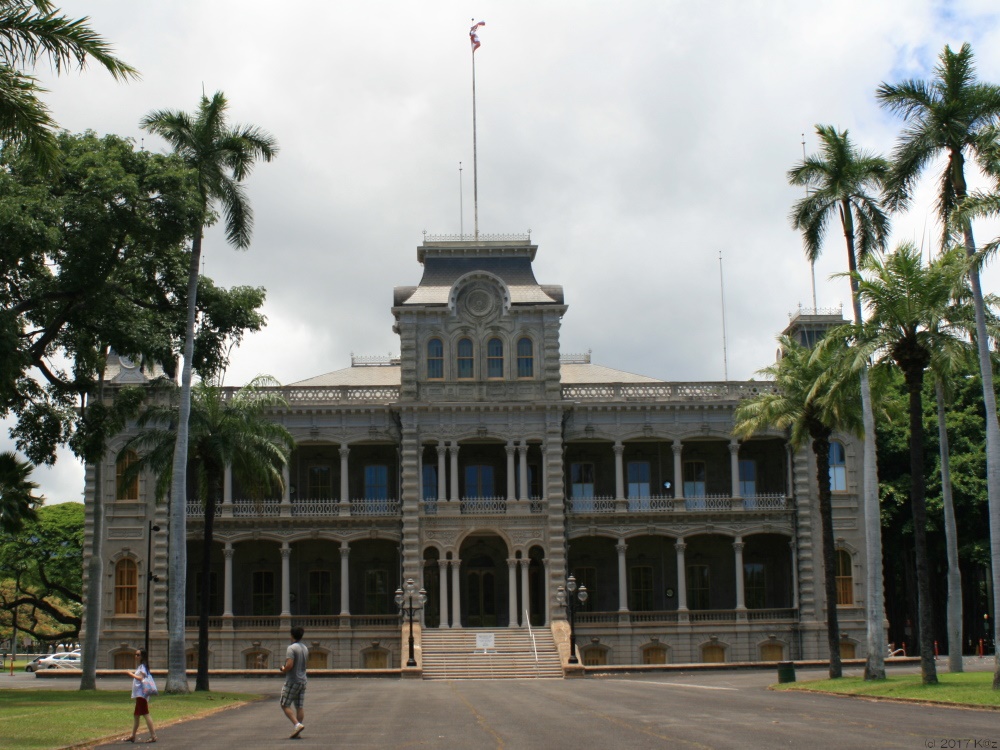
{"type": "Point", "coordinates": [480, 302]}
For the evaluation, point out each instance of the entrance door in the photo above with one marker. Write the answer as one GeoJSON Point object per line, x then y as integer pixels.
{"type": "Point", "coordinates": [482, 597]}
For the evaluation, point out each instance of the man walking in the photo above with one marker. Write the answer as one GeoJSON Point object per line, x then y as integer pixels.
{"type": "Point", "coordinates": [294, 691]}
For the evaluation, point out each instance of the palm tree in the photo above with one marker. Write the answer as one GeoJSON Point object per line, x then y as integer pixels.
{"type": "Point", "coordinates": [956, 115]}
{"type": "Point", "coordinates": [17, 493]}
{"type": "Point", "coordinates": [843, 181]}
{"type": "Point", "coordinates": [225, 430]}
{"type": "Point", "coordinates": [908, 326]}
{"type": "Point", "coordinates": [221, 157]}
{"type": "Point", "coordinates": [29, 30]}
{"type": "Point", "coordinates": [812, 400]}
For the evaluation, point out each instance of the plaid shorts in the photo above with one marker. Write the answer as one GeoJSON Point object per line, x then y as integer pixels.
{"type": "Point", "coordinates": [293, 694]}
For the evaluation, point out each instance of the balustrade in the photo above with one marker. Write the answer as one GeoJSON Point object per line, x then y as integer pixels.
{"type": "Point", "coordinates": [707, 503]}
{"type": "Point", "coordinates": [666, 391]}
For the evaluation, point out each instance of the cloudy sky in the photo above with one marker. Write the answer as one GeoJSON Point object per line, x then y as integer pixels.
{"type": "Point", "coordinates": [636, 140]}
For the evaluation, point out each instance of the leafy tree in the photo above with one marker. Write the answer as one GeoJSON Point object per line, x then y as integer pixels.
{"type": "Point", "coordinates": [221, 158]}
{"type": "Point", "coordinates": [225, 430]}
{"type": "Point", "coordinates": [956, 115]}
{"type": "Point", "coordinates": [843, 181]}
{"type": "Point", "coordinates": [45, 562]}
{"type": "Point", "coordinates": [17, 493]}
{"type": "Point", "coordinates": [31, 30]}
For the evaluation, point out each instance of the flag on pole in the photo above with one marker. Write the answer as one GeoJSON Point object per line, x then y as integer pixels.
{"type": "Point", "coordinates": [474, 37]}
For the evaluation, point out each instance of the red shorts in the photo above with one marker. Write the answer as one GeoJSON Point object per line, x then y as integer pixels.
{"type": "Point", "coordinates": [141, 707]}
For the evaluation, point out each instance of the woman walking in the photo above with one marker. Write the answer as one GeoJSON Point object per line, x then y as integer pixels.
{"type": "Point", "coordinates": [140, 675]}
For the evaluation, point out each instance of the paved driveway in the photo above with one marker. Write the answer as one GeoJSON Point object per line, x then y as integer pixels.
{"type": "Point", "coordinates": [670, 710]}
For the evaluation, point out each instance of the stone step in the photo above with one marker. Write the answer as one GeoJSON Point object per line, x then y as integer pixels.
{"type": "Point", "coordinates": [452, 655]}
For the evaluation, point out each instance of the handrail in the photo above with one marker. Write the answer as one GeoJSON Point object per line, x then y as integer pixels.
{"type": "Point", "coordinates": [534, 646]}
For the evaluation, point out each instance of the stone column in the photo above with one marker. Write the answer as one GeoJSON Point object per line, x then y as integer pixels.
{"type": "Point", "coordinates": [619, 471]}
{"type": "Point", "coordinates": [547, 614]}
{"type": "Point", "coordinates": [795, 573]}
{"type": "Point", "coordinates": [678, 448]}
{"type": "Point", "coordinates": [789, 482]}
{"type": "Point", "coordinates": [286, 580]}
{"type": "Point", "coordinates": [345, 579]}
{"type": "Point", "coordinates": [453, 449]}
{"type": "Point", "coordinates": [740, 583]}
{"type": "Point", "coordinates": [285, 511]}
{"type": "Point", "coordinates": [227, 484]}
{"type": "Point", "coordinates": [509, 448]}
{"type": "Point", "coordinates": [512, 591]}
{"type": "Point", "coordinates": [682, 590]}
{"type": "Point", "coordinates": [545, 471]}
{"type": "Point", "coordinates": [522, 452]}
{"type": "Point", "coordinates": [345, 486]}
{"type": "Point", "coordinates": [442, 472]}
{"type": "Point", "coordinates": [227, 586]}
{"type": "Point", "coordinates": [734, 466]}
{"type": "Point", "coordinates": [456, 594]}
{"type": "Point", "coordinates": [443, 585]}
{"type": "Point", "coordinates": [525, 593]}
{"type": "Point", "coordinates": [622, 576]}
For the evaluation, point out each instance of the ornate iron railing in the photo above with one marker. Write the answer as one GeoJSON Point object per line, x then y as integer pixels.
{"type": "Point", "coordinates": [315, 507]}
{"type": "Point", "coordinates": [592, 505]}
{"type": "Point", "coordinates": [732, 391]}
{"type": "Point", "coordinates": [270, 508]}
{"type": "Point", "coordinates": [374, 507]}
{"type": "Point", "coordinates": [484, 506]}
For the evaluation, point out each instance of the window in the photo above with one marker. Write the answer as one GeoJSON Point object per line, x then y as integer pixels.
{"type": "Point", "coordinates": [748, 478]}
{"type": "Point", "coordinates": [494, 358]}
{"type": "Point", "coordinates": [713, 654]}
{"type": "Point", "coordinates": [376, 592]}
{"type": "Point", "coordinates": [435, 359]}
{"type": "Point", "coordinates": [126, 489]}
{"type": "Point", "coordinates": [262, 600]}
{"type": "Point", "coordinates": [376, 482]}
{"type": "Point", "coordinates": [697, 586]}
{"type": "Point", "coordinates": [595, 656]}
{"type": "Point", "coordinates": [525, 358]}
{"type": "Point", "coordinates": [755, 584]}
{"type": "Point", "coordinates": [213, 593]}
{"type": "Point", "coordinates": [478, 481]}
{"type": "Point", "coordinates": [319, 481]}
{"type": "Point", "coordinates": [126, 587]}
{"type": "Point", "coordinates": [320, 592]}
{"type": "Point", "coordinates": [838, 467]}
{"type": "Point", "coordinates": [587, 577]}
{"type": "Point", "coordinates": [430, 482]}
{"type": "Point", "coordinates": [533, 487]}
{"type": "Point", "coordinates": [772, 652]}
{"type": "Point", "coordinates": [694, 479]}
{"type": "Point", "coordinates": [845, 579]}
{"type": "Point", "coordinates": [654, 655]}
{"type": "Point", "coordinates": [638, 479]}
{"type": "Point", "coordinates": [581, 480]}
{"type": "Point", "coordinates": [640, 588]}
{"type": "Point", "coordinates": [464, 360]}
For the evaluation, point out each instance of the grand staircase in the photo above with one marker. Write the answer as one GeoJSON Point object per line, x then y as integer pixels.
{"type": "Point", "coordinates": [452, 655]}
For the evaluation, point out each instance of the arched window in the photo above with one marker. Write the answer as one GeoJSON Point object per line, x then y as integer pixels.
{"type": "Point", "coordinates": [838, 467]}
{"type": "Point", "coordinates": [525, 358]}
{"type": "Point", "coordinates": [845, 579]}
{"type": "Point", "coordinates": [435, 359]}
{"type": "Point", "coordinates": [126, 488]}
{"type": "Point", "coordinates": [464, 359]}
{"type": "Point", "coordinates": [126, 587]}
{"type": "Point", "coordinates": [494, 358]}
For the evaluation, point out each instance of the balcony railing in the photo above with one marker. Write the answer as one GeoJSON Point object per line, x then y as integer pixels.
{"type": "Point", "coordinates": [299, 508]}
{"type": "Point", "coordinates": [707, 503]}
{"type": "Point", "coordinates": [275, 622]}
{"type": "Point", "coordinates": [727, 391]}
{"type": "Point", "coordinates": [693, 615]}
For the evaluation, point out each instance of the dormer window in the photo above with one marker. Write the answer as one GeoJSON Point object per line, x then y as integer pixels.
{"type": "Point", "coordinates": [494, 358]}
{"type": "Point", "coordinates": [464, 360]}
{"type": "Point", "coordinates": [525, 358]}
{"type": "Point", "coordinates": [435, 359]}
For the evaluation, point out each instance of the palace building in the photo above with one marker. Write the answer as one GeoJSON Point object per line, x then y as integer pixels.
{"type": "Point", "coordinates": [488, 466]}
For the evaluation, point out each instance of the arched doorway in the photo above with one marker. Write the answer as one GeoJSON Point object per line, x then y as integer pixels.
{"type": "Point", "coordinates": [484, 582]}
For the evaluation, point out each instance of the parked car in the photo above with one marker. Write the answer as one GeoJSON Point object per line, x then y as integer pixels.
{"type": "Point", "coordinates": [32, 665]}
{"type": "Point", "coordinates": [69, 660]}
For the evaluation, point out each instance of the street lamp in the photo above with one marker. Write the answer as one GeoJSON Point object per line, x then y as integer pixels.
{"type": "Point", "coordinates": [567, 597]}
{"type": "Point", "coordinates": [410, 609]}
{"type": "Point", "coordinates": [149, 575]}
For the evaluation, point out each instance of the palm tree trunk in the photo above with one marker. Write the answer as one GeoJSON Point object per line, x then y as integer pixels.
{"type": "Point", "coordinates": [874, 591]}
{"type": "Point", "coordinates": [925, 614]}
{"type": "Point", "coordinates": [201, 681]}
{"type": "Point", "coordinates": [95, 566]}
{"type": "Point", "coordinates": [821, 447]}
{"type": "Point", "coordinates": [951, 541]}
{"type": "Point", "coordinates": [177, 562]}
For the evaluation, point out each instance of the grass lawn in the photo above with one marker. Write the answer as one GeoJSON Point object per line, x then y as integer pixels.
{"type": "Point", "coordinates": [56, 718]}
{"type": "Point", "coordinates": [960, 688]}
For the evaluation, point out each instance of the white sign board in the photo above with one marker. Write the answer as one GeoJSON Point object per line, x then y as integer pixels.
{"type": "Point", "coordinates": [485, 641]}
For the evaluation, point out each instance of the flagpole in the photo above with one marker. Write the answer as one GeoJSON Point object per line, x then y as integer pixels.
{"type": "Point", "coordinates": [475, 154]}
{"type": "Point", "coordinates": [461, 208]}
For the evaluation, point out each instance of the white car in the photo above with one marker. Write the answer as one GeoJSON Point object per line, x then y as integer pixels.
{"type": "Point", "coordinates": [69, 660]}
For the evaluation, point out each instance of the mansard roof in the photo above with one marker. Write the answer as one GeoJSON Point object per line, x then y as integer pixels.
{"type": "Point", "coordinates": [507, 258]}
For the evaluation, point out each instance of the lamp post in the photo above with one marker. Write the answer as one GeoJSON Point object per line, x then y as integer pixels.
{"type": "Point", "coordinates": [409, 608]}
{"type": "Point", "coordinates": [567, 597]}
{"type": "Point", "coordinates": [149, 576]}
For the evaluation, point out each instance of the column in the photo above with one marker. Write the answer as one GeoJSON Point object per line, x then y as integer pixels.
{"type": "Point", "coordinates": [345, 487]}
{"type": "Point", "coordinates": [525, 593]}
{"type": "Point", "coordinates": [790, 458]}
{"type": "Point", "coordinates": [740, 583]}
{"type": "Point", "coordinates": [227, 586]}
{"type": "Point", "coordinates": [622, 576]}
{"type": "Point", "coordinates": [734, 466]}
{"type": "Point", "coordinates": [509, 448]}
{"type": "Point", "coordinates": [345, 579]}
{"type": "Point", "coordinates": [453, 449]}
{"type": "Point", "coordinates": [286, 580]}
{"type": "Point", "coordinates": [286, 489]}
{"type": "Point", "coordinates": [678, 447]}
{"type": "Point", "coordinates": [795, 573]}
{"type": "Point", "coordinates": [545, 472]}
{"type": "Point", "coordinates": [546, 589]}
{"type": "Point", "coordinates": [522, 451]}
{"type": "Point", "coordinates": [443, 585]}
{"type": "Point", "coordinates": [227, 484]}
{"type": "Point", "coordinates": [442, 472]}
{"type": "Point", "coordinates": [619, 471]}
{"type": "Point", "coordinates": [456, 599]}
{"type": "Point", "coordinates": [682, 590]}
{"type": "Point", "coordinates": [512, 591]}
